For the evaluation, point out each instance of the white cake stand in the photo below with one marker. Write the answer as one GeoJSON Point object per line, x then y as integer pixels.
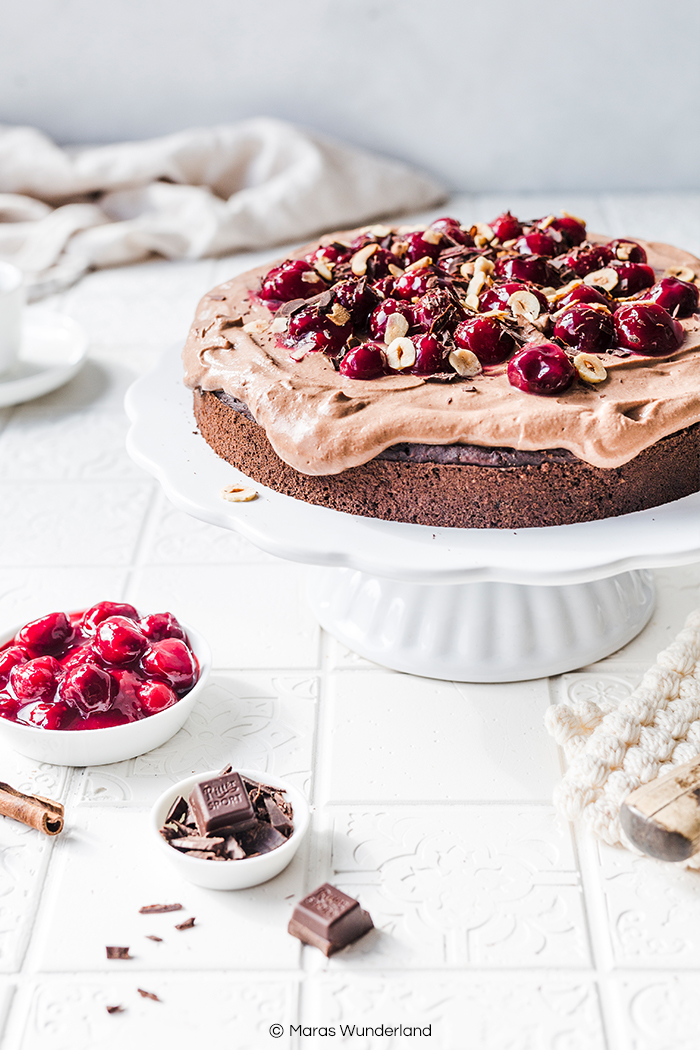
{"type": "Point", "coordinates": [481, 605]}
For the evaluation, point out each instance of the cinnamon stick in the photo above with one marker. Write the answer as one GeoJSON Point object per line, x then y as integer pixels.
{"type": "Point", "coordinates": [41, 813]}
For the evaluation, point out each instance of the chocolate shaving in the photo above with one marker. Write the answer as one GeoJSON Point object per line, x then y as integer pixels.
{"type": "Point", "coordinates": [152, 937]}
{"type": "Point", "coordinates": [115, 1009]}
{"type": "Point", "coordinates": [225, 770]}
{"type": "Point", "coordinates": [148, 995]}
{"type": "Point", "coordinates": [441, 377]}
{"type": "Point", "coordinates": [159, 909]}
{"type": "Point", "coordinates": [197, 842]}
{"type": "Point", "coordinates": [219, 298]}
{"type": "Point", "coordinates": [114, 952]}
{"type": "Point", "coordinates": [186, 925]}
{"type": "Point", "coordinates": [178, 810]}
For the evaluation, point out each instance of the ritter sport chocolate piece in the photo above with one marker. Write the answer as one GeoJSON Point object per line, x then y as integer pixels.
{"type": "Point", "coordinates": [329, 920]}
{"type": "Point", "coordinates": [222, 802]}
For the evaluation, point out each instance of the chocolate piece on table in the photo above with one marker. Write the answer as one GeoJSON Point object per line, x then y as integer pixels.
{"type": "Point", "coordinates": [186, 925]}
{"type": "Point", "coordinates": [152, 937]}
{"type": "Point", "coordinates": [329, 920]}
{"type": "Point", "coordinates": [662, 818]}
{"type": "Point", "coordinates": [198, 844]}
{"type": "Point", "coordinates": [222, 802]}
{"type": "Point", "coordinates": [148, 995]}
{"type": "Point", "coordinates": [159, 909]}
{"type": "Point", "coordinates": [115, 1009]}
{"type": "Point", "coordinates": [278, 819]}
{"type": "Point", "coordinates": [114, 952]}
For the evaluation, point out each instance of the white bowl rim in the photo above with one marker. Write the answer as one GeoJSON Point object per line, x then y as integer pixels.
{"type": "Point", "coordinates": [201, 650]}
{"type": "Point", "coordinates": [301, 826]}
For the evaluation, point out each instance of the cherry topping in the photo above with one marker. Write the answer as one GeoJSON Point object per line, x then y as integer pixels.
{"type": "Point", "coordinates": [103, 610]}
{"type": "Point", "coordinates": [46, 714]}
{"type": "Point", "coordinates": [430, 356]}
{"type": "Point", "coordinates": [418, 248]}
{"type": "Point", "coordinates": [589, 258]}
{"type": "Point", "coordinates": [161, 625]}
{"type": "Point", "coordinates": [356, 298]}
{"type": "Point", "coordinates": [329, 253]}
{"type": "Point", "coordinates": [35, 680]}
{"type": "Point", "coordinates": [537, 242]}
{"type": "Point", "coordinates": [435, 308]}
{"type": "Point", "coordinates": [156, 696]}
{"type": "Point", "coordinates": [486, 338]}
{"type": "Point", "coordinates": [171, 660]}
{"type": "Point", "coordinates": [646, 328]}
{"type": "Point", "coordinates": [47, 634]}
{"type": "Point", "coordinates": [413, 284]}
{"type": "Point", "coordinates": [88, 688]}
{"type": "Point", "coordinates": [506, 227]}
{"type": "Point", "coordinates": [572, 231]}
{"type": "Point", "coordinates": [318, 333]}
{"type": "Point", "coordinates": [627, 251]}
{"type": "Point", "coordinates": [119, 641]}
{"type": "Point", "coordinates": [453, 229]}
{"type": "Point", "coordinates": [496, 297]}
{"type": "Point", "coordinates": [680, 298]}
{"type": "Point", "coordinates": [534, 268]}
{"type": "Point", "coordinates": [586, 329]}
{"type": "Point", "coordinates": [382, 313]}
{"type": "Point", "coordinates": [293, 279]}
{"type": "Point", "coordinates": [9, 658]}
{"type": "Point", "coordinates": [632, 278]}
{"type": "Point", "coordinates": [541, 368]}
{"type": "Point", "coordinates": [365, 361]}
{"type": "Point", "coordinates": [586, 293]}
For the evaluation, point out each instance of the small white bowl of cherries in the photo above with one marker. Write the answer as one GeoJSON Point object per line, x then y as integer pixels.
{"type": "Point", "coordinates": [96, 686]}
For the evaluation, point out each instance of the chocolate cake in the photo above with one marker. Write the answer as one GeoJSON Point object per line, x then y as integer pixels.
{"type": "Point", "coordinates": [501, 376]}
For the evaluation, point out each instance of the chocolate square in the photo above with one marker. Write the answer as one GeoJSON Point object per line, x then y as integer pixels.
{"type": "Point", "coordinates": [329, 919]}
{"type": "Point", "coordinates": [222, 802]}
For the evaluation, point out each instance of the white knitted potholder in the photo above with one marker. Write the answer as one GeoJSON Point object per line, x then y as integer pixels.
{"type": "Point", "coordinates": [611, 749]}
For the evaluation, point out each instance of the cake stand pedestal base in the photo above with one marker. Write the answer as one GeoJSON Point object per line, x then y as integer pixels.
{"type": "Point", "coordinates": [481, 632]}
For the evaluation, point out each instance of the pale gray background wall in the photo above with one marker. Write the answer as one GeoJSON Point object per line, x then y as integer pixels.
{"type": "Point", "coordinates": [487, 94]}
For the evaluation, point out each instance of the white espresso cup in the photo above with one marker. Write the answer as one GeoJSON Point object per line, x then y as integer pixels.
{"type": "Point", "coordinates": [12, 297]}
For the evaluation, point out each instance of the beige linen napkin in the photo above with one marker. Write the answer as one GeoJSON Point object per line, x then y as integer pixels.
{"type": "Point", "coordinates": [205, 191]}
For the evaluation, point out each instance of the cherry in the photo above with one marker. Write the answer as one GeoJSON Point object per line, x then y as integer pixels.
{"type": "Point", "coordinates": [632, 278]}
{"type": "Point", "coordinates": [103, 610]}
{"type": "Point", "coordinates": [356, 298]}
{"type": "Point", "coordinates": [413, 284]}
{"type": "Point", "coordinates": [9, 658]}
{"type": "Point", "coordinates": [453, 229]}
{"type": "Point", "coordinates": [329, 254]}
{"type": "Point", "coordinates": [537, 242]}
{"type": "Point", "coordinates": [627, 251]}
{"type": "Point", "coordinates": [105, 720]}
{"type": "Point", "coordinates": [430, 356]}
{"type": "Point", "coordinates": [119, 641]}
{"type": "Point", "coordinates": [8, 706]}
{"type": "Point", "coordinates": [572, 231]}
{"type": "Point", "coordinates": [286, 282]}
{"type": "Point", "coordinates": [88, 688]}
{"type": "Point", "coordinates": [47, 634]}
{"type": "Point", "coordinates": [586, 329]}
{"type": "Point", "coordinates": [435, 306]}
{"type": "Point", "coordinates": [379, 262]}
{"type": "Point", "coordinates": [76, 656]}
{"type": "Point", "coordinates": [506, 227]}
{"type": "Point", "coordinates": [161, 625]}
{"type": "Point", "coordinates": [126, 701]}
{"type": "Point", "coordinates": [586, 293]}
{"type": "Point", "coordinates": [384, 288]}
{"type": "Point", "coordinates": [486, 338]}
{"type": "Point", "coordinates": [541, 368]}
{"type": "Point", "coordinates": [496, 297]}
{"type": "Point", "coordinates": [36, 679]}
{"type": "Point", "coordinates": [171, 660]}
{"type": "Point", "coordinates": [646, 328]}
{"type": "Point", "coordinates": [156, 696]}
{"type": "Point", "coordinates": [588, 259]}
{"type": "Point", "coordinates": [318, 333]}
{"type": "Point", "coordinates": [381, 314]}
{"type": "Point", "coordinates": [419, 248]}
{"type": "Point", "coordinates": [534, 268]}
{"type": "Point", "coordinates": [365, 361]}
{"type": "Point", "coordinates": [46, 715]}
{"type": "Point", "coordinates": [680, 298]}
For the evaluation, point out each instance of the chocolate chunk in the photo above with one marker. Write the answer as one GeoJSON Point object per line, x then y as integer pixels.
{"type": "Point", "coordinates": [186, 925]}
{"type": "Point", "coordinates": [329, 920]}
{"type": "Point", "coordinates": [115, 1009]}
{"type": "Point", "coordinates": [148, 995]}
{"type": "Point", "coordinates": [278, 819]}
{"type": "Point", "coordinates": [198, 843]}
{"type": "Point", "coordinates": [222, 802]}
{"type": "Point", "coordinates": [159, 909]}
{"type": "Point", "coordinates": [152, 937]}
{"type": "Point", "coordinates": [114, 952]}
{"type": "Point", "coordinates": [178, 811]}
{"type": "Point", "coordinates": [225, 770]}
{"type": "Point", "coordinates": [233, 848]}
{"type": "Point", "coordinates": [262, 839]}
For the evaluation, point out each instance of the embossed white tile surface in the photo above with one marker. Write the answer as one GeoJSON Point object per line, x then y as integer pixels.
{"type": "Point", "coordinates": [431, 801]}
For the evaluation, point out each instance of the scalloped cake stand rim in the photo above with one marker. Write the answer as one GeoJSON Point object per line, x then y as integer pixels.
{"type": "Point", "coordinates": [164, 441]}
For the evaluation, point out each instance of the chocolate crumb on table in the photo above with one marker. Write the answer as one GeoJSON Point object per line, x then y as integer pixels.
{"type": "Point", "coordinates": [148, 995]}
{"type": "Point", "coordinates": [115, 1009]}
{"type": "Point", "coordinates": [152, 937]}
{"type": "Point", "coordinates": [159, 909]}
{"type": "Point", "coordinates": [114, 952]}
{"type": "Point", "coordinates": [186, 925]}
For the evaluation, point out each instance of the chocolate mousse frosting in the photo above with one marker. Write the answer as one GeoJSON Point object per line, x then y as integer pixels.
{"type": "Point", "coordinates": [320, 422]}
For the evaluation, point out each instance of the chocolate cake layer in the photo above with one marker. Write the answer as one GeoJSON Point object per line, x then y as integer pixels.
{"type": "Point", "coordinates": [400, 486]}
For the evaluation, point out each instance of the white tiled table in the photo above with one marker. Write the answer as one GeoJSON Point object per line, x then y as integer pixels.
{"type": "Point", "coordinates": [495, 922]}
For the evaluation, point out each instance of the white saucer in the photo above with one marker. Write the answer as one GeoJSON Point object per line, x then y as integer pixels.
{"type": "Point", "coordinates": [53, 350]}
